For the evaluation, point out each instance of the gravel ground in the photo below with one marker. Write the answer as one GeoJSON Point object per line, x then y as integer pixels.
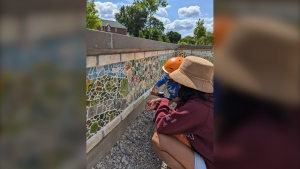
{"type": "Point", "coordinates": [134, 149]}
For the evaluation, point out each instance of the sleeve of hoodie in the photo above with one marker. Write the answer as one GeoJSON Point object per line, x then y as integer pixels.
{"type": "Point", "coordinates": [187, 119]}
{"type": "Point", "coordinates": [162, 81]}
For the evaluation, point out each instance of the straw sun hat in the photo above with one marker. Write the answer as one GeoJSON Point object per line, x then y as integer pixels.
{"type": "Point", "coordinates": [196, 73]}
{"type": "Point", "coordinates": [261, 58]}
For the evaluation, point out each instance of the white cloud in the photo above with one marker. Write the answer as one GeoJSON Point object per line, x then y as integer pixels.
{"type": "Point", "coordinates": [164, 20]}
{"type": "Point", "coordinates": [162, 11]}
{"type": "Point", "coordinates": [107, 10]}
{"type": "Point", "coordinates": [186, 24]}
{"type": "Point", "coordinates": [206, 19]}
{"type": "Point", "coordinates": [188, 34]}
{"type": "Point", "coordinates": [119, 4]}
{"type": "Point", "coordinates": [209, 24]}
{"type": "Point", "coordinates": [189, 25]}
{"type": "Point", "coordinates": [189, 12]}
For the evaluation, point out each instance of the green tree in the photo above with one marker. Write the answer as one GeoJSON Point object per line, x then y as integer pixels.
{"type": "Point", "coordinates": [199, 32]}
{"type": "Point", "coordinates": [92, 19]}
{"type": "Point", "coordinates": [155, 23]}
{"type": "Point", "coordinates": [173, 36]}
{"type": "Point", "coordinates": [156, 30]}
{"type": "Point", "coordinates": [200, 41]}
{"type": "Point", "coordinates": [209, 38]}
{"type": "Point", "coordinates": [182, 43]}
{"type": "Point", "coordinates": [157, 34]}
{"type": "Point", "coordinates": [188, 40]}
{"type": "Point", "coordinates": [150, 7]}
{"type": "Point", "coordinates": [133, 18]}
{"type": "Point", "coordinates": [165, 38]}
{"type": "Point", "coordinates": [142, 34]}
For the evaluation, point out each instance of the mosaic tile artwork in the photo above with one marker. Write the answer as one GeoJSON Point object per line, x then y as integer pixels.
{"type": "Point", "coordinates": [112, 88]}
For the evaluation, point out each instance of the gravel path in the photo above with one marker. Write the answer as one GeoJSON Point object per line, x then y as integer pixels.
{"type": "Point", "coordinates": [134, 149]}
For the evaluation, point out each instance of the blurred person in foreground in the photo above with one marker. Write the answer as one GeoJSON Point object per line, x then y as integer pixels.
{"type": "Point", "coordinates": [193, 117]}
{"type": "Point", "coordinates": [257, 116]}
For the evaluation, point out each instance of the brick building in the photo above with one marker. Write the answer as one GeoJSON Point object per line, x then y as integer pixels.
{"type": "Point", "coordinates": [113, 27]}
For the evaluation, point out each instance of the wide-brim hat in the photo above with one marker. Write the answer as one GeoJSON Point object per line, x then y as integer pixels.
{"type": "Point", "coordinates": [196, 73]}
{"type": "Point", "coordinates": [261, 57]}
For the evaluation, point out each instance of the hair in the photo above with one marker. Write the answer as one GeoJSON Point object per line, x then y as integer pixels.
{"type": "Point", "coordinates": [185, 93]}
{"type": "Point", "coordinates": [236, 107]}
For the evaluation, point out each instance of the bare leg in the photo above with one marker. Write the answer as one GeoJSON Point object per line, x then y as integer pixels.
{"type": "Point", "coordinates": [173, 152]}
{"type": "Point", "coordinates": [166, 157]}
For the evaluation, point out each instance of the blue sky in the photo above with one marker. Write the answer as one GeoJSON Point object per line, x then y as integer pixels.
{"type": "Point", "coordinates": [180, 15]}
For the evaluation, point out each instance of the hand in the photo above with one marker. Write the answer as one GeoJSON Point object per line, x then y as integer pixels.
{"type": "Point", "coordinates": [154, 89]}
{"type": "Point", "coordinates": [151, 104]}
{"type": "Point", "coordinates": [153, 93]}
{"type": "Point", "coordinates": [176, 99]}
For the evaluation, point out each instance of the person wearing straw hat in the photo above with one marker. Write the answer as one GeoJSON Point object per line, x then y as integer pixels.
{"type": "Point", "coordinates": [193, 116]}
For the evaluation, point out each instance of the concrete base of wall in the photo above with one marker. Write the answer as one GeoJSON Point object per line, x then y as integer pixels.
{"type": "Point", "coordinates": [107, 143]}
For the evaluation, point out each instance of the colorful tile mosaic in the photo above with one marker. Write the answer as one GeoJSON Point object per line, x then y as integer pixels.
{"type": "Point", "coordinates": [111, 88]}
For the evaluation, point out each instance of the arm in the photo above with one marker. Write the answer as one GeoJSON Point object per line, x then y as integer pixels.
{"type": "Point", "coordinates": [162, 81]}
{"type": "Point", "coordinates": [158, 84]}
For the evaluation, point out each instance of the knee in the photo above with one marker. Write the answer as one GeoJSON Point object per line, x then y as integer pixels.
{"type": "Point", "coordinates": [159, 141]}
{"type": "Point", "coordinates": [155, 140]}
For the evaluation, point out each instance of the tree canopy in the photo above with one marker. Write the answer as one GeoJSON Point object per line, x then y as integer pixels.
{"type": "Point", "coordinates": [92, 18]}
{"type": "Point", "coordinates": [150, 7]}
{"type": "Point", "coordinates": [155, 23]}
{"type": "Point", "coordinates": [157, 34]}
{"type": "Point", "coordinates": [157, 31]}
{"type": "Point", "coordinates": [209, 38]}
{"type": "Point", "coordinates": [174, 37]}
{"type": "Point", "coordinates": [201, 36]}
{"type": "Point", "coordinates": [187, 40]}
{"type": "Point", "coordinates": [199, 31]}
{"type": "Point", "coordinates": [133, 18]}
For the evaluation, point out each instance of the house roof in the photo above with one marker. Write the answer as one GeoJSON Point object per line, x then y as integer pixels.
{"type": "Point", "coordinates": [115, 24]}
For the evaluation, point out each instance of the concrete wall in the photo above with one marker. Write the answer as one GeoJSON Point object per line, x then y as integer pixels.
{"type": "Point", "coordinates": [100, 43]}
{"type": "Point", "coordinates": [120, 72]}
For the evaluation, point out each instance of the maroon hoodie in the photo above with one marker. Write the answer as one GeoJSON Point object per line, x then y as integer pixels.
{"type": "Point", "coordinates": [193, 118]}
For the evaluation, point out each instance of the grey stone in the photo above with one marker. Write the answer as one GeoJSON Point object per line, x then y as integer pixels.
{"type": "Point", "coordinates": [92, 111]}
{"type": "Point", "coordinates": [134, 149]}
{"type": "Point", "coordinates": [100, 109]}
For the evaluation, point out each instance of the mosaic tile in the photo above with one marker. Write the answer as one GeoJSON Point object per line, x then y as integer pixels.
{"type": "Point", "coordinates": [94, 127]}
{"type": "Point", "coordinates": [92, 111]}
{"type": "Point", "coordinates": [101, 116]}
